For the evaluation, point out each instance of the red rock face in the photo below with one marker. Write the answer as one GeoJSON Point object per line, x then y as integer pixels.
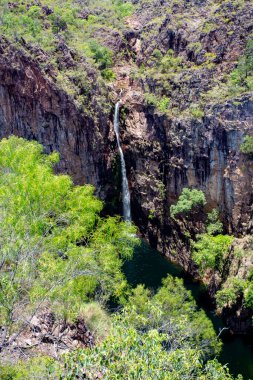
{"type": "Point", "coordinates": [32, 107]}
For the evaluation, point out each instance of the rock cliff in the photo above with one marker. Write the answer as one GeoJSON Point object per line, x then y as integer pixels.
{"type": "Point", "coordinates": [182, 121]}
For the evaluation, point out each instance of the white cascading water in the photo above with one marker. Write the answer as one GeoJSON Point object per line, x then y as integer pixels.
{"type": "Point", "coordinates": [125, 187]}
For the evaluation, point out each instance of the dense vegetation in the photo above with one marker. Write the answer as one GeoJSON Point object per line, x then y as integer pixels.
{"type": "Point", "coordinates": [189, 201]}
{"type": "Point", "coordinates": [57, 252]}
{"type": "Point", "coordinates": [247, 145]}
{"type": "Point", "coordinates": [54, 246]}
{"type": "Point", "coordinates": [69, 42]}
{"type": "Point", "coordinates": [213, 251]}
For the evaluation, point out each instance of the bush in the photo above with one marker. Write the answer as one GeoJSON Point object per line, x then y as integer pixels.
{"type": "Point", "coordinates": [96, 319]}
{"type": "Point", "coordinates": [108, 75]}
{"type": "Point", "coordinates": [55, 248]}
{"type": "Point", "coordinates": [242, 77]}
{"type": "Point", "coordinates": [210, 251]}
{"type": "Point", "coordinates": [101, 54]}
{"type": "Point", "coordinates": [231, 290]}
{"type": "Point", "coordinates": [152, 337]}
{"type": "Point", "coordinates": [196, 112]}
{"type": "Point", "coordinates": [249, 297]}
{"type": "Point", "coordinates": [161, 103]}
{"type": "Point", "coordinates": [189, 200]}
{"type": "Point", "coordinates": [124, 9]}
{"type": "Point", "coordinates": [214, 225]}
{"type": "Point", "coordinates": [247, 145]}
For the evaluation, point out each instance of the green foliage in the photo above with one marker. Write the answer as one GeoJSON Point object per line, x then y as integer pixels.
{"type": "Point", "coordinates": [241, 78]}
{"type": "Point", "coordinates": [247, 145]}
{"type": "Point", "coordinates": [214, 225]}
{"type": "Point", "coordinates": [34, 369]}
{"type": "Point", "coordinates": [211, 251]}
{"type": "Point", "coordinates": [249, 297]}
{"type": "Point", "coordinates": [161, 103]}
{"type": "Point", "coordinates": [128, 354]}
{"type": "Point", "coordinates": [231, 290]}
{"type": "Point", "coordinates": [154, 336]}
{"type": "Point", "coordinates": [248, 292]}
{"type": "Point", "coordinates": [108, 75]}
{"type": "Point", "coordinates": [196, 112]}
{"type": "Point", "coordinates": [124, 9]}
{"type": "Point", "coordinates": [195, 46]}
{"type": "Point", "coordinates": [189, 200]}
{"type": "Point", "coordinates": [173, 312]}
{"type": "Point", "coordinates": [101, 55]}
{"type": "Point", "coordinates": [96, 319]}
{"type": "Point", "coordinates": [209, 26]}
{"type": "Point", "coordinates": [151, 214]}
{"type": "Point", "coordinates": [170, 62]}
{"type": "Point", "coordinates": [54, 245]}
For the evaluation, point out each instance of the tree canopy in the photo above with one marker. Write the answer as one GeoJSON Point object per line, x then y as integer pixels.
{"type": "Point", "coordinates": [54, 245]}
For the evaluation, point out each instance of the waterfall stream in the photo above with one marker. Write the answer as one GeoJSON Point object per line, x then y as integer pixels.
{"type": "Point", "coordinates": [125, 188]}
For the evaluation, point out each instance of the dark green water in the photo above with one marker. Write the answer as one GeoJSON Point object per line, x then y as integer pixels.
{"type": "Point", "coordinates": [148, 267]}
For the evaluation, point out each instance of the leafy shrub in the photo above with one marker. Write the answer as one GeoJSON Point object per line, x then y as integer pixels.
{"type": "Point", "coordinates": [108, 75]}
{"type": "Point", "coordinates": [153, 336]}
{"type": "Point", "coordinates": [53, 238]}
{"type": "Point", "coordinates": [189, 200]}
{"type": "Point", "coordinates": [124, 9]}
{"type": "Point", "coordinates": [242, 76]}
{"type": "Point", "coordinates": [170, 62]}
{"type": "Point", "coordinates": [211, 251]}
{"type": "Point", "coordinates": [58, 23]}
{"type": "Point", "coordinates": [101, 54]}
{"type": "Point", "coordinates": [230, 291]}
{"type": "Point", "coordinates": [96, 319]}
{"type": "Point", "coordinates": [37, 368]}
{"type": "Point", "coordinates": [161, 103]}
{"type": "Point", "coordinates": [214, 225]}
{"type": "Point", "coordinates": [248, 294]}
{"type": "Point", "coordinates": [247, 145]}
{"type": "Point", "coordinates": [196, 112]}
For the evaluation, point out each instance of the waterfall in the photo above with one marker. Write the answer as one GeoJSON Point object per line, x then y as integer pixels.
{"type": "Point", "coordinates": [125, 188]}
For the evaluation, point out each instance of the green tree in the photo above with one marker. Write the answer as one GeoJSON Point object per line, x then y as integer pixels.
{"type": "Point", "coordinates": [54, 245]}
{"type": "Point", "coordinates": [211, 251]}
{"type": "Point", "coordinates": [189, 200]}
{"type": "Point", "coordinates": [230, 292]}
{"type": "Point", "coordinates": [173, 312]}
{"type": "Point", "coordinates": [247, 145]}
{"type": "Point", "coordinates": [131, 353]}
{"type": "Point", "coordinates": [101, 54]}
{"type": "Point", "coordinates": [214, 225]}
{"type": "Point", "coordinates": [242, 76]}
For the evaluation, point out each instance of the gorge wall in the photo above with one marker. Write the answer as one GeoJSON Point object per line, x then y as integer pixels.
{"type": "Point", "coordinates": [31, 106]}
{"type": "Point", "coordinates": [164, 151]}
{"type": "Point", "coordinates": [164, 156]}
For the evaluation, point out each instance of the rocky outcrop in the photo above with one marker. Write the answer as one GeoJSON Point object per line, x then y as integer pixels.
{"type": "Point", "coordinates": [31, 106]}
{"type": "Point", "coordinates": [45, 334]}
